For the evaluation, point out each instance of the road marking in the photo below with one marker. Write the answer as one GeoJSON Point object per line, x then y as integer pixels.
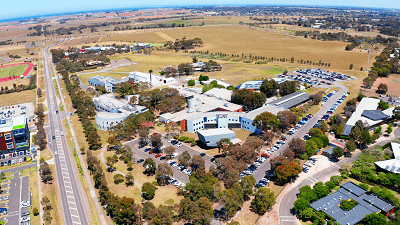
{"type": "Point", "coordinates": [312, 179]}
{"type": "Point", "coordinates": [287, 218]}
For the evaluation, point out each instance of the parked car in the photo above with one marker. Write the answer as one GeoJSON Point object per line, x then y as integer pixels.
{"type": "Point", "coordinates": [158, 155]}
{"type": "Point", "coordinates": [179, 145]}
{"type": "Point", "coordinates": [140, 160]}
{"type": "Point", "coordinates": [202, 154]}
{"type": "Point", "coordinates": [147, 149]}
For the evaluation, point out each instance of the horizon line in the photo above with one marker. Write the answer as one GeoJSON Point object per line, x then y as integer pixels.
{"type": "Point", "coordinates": [73, 12]}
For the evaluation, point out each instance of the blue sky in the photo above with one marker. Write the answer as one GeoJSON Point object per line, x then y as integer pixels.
{"type": "Point", "coordinates": [26, 8]}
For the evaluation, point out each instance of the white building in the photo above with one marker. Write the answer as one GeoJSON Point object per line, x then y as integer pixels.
{"type": "Point", "coordinates": [153, 79]}
{"type": "Point", "coordinates": [367, 112]}
{"type": "Point", "coordinates": [392, 165]}
{"type": "Point", "coordinates": [112, 111]}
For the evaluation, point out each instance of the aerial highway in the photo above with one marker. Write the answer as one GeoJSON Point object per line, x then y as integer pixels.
{"type": "Point", "coordinates": [74, 203]}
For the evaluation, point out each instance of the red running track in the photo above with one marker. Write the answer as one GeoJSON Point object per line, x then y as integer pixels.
{"type": "Point", "coordinates": [27, 71]}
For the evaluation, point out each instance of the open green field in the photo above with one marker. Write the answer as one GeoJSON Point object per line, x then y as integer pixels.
{"type": "Point", "coordinates": [13, 70]}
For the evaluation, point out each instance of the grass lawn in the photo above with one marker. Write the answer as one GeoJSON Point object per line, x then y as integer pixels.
{"type": "Point", "coordinates": [241, 134]}
{"type": "Point", "coordinates": [314, 109]}
{"type": "Point", "coordinates": [275, 188]}
{"type": "Point", "coordinates": [46, 154]}
{"type": "Point", "coordinates": [213, 152]}
{"type": "Point", "coordinates": [34, 186]}
{"type": "Point", "coordinates": [50, 190]}
{"type": "Point", "coordinates": [247, 218]}
{"type": "Point", "coordinates": [18, 98]}
{"type": "Point", "coordinates": [188, 134]}
{"type": "Point", "coordinates": [10, 83]}
{"type": "Point", "coordinates": [314, 90]}
{"type": "Point", "coordinates": [15, 70]}
{"type": "Point", "coordinates": [165, 194]}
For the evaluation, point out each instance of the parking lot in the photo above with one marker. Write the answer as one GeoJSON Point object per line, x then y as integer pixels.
{"type": "Point", "coordinates": [15, 158]}
{"type": "Point", "coordinates": [179, 175]}
{"type": "Point", "coordinates": [324, 74]}
{"type": "Point", "coordinates": [16, 189]}
{"type": "Point", "coordinates": [26, 109]}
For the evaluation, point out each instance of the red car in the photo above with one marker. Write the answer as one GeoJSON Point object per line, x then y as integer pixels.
{"type": "Point", "coordinates": [158, 155]}
{"type": "Point", "coordinates": [266, 155]}
{"type": "Point", "coordinates": [155, 133]}
{"type": "Point", "coordinates": [151, 152]}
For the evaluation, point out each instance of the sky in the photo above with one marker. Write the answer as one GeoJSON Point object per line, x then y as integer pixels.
{"type": "Point", "coordinates": [26, 8]}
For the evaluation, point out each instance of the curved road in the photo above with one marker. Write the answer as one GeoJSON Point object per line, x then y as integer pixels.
{"type": "Point", "coordinates": [286, 212]}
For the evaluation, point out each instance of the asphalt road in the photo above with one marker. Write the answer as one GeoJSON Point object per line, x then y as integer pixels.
{"type": "Point", "coordinates": [74, 210]}
{"type": "Point", "coordinates": [14, 200]}
{"type": "Point", "coordinates": [260, 172]}
{"type": "Point", "coordinates": [140, 154]}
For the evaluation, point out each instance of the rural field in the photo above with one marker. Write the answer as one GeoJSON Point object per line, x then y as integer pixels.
{"type": "Point", "coordinates": [234, 39]}
{"type": "Point", "coordinates": [393, 83]}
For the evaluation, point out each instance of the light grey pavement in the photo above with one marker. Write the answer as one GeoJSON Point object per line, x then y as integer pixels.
{"type": "Point", "coordinates": [73, 206]}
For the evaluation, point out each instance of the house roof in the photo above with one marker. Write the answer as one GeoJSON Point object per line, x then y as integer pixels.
{"type": "Point", "coordinates": [392, 165]}
{"type": "Point", "coordinates": [266, 108]}
{"type": "Point", "coordinates": [374, 114]}
{"type": "Point", "coordinates": [167, 116]}
{"type": "Point", "coordinates": [291, 100]}
{"type": "Point", "coordinates": [219, 93]}
{"type": "Point", "coordinates": [16, 122]}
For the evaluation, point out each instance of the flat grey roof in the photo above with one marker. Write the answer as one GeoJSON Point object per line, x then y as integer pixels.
{"type": "Point", "coordinates": [353, 188]}
{"type": "Point", "coordinates": [291, 100]}
{"type": "Point", "coordinates": [367, 204]}
{"type": "Point", "coordinates": [374, 114]}
{"type": "Point", "coordinates": [347, 129]}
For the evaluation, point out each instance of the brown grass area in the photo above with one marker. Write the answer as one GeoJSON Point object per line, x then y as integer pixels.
{"type": "Point", "coordinates": [241, 134]}
{"type": "Point", "coordinates": [316, 89]}
{"type": "Point", "coordinates": [164, 193]}
{"type": "Point", "coordinates": [34, 186]}
{"type": "Point", "coordinates": [137, 36]}
{"type": "Point", "coordinates": [18, 81]}
{"type": "Point", "coordinates": [230, 40]}
{"type": "Point", "coordinates": [46, 154]}
{"type": "Point", "coordinates": [393, 83]}
{"type": "Point", "coordinates": [247, 217]}
{"type": "Point", "coordinates": [275, 188]}
{"type": "Point", "coordinates": [51, 191]}
{"type": "Point", "coordinates": [18, 98]}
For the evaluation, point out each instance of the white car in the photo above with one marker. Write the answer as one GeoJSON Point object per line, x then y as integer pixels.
{"type": "Point", "coordinates": [179, 145]}
{"type": "Point", "coordinates": [174, 155]}
{"type": "Point", "coordinates": [56, 153]}
{"type": "Point", "coordinates": [25, 219]}
{"type": "Point", "coordinates": [171, 140]}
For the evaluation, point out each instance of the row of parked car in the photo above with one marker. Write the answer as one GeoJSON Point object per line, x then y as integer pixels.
{"type": "Point", "coordinates": [307, 165]}
{"type": "Point", "coordinates": [334, 107]}
{"type": "Point", "coordinates": [301, 123]}
{"type": "Point", "coordinates": [302, 78]}
{"type": "Point", "coordinates": [326, 75]}
{"type": "Point", "coordinates": [176, 183]}
{"type": "Point", "coordinates": [328, 96]}
{"type": "Point", "coordinates": [254, 166]}
{"type": "Point", "coordinates": [180, 167]}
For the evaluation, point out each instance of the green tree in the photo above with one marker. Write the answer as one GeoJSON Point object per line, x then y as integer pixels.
{"type": "Point", "coordinates": [185, 159]}
{"type": "Point", "coordinates": [156, 140]}
{"type": "Point", "coordinates": [150, 166]}
{"type": "Point", "coordinates": [269, 87]}
{"type": "Point", "coordinates": [266, 121]}
{"type": "Point", "coordinates": [191, 83]}
{"type": "Point", "coordinates": [300, 204]}
{"type": "Point", "coordinates": [232, 199]}
{"type": "Point", "coordinates": [163, 173]}
{"type": "Point", "coordinates": [374, 219]}
{"type": "Point", "coordinates": [129, 179]}
{"type": "Point", "coordinates": [389, 129]}
{"type": "Point", "coordinates": [247, 183]}
{"type": "Point", "coordinates": [224, 145]}
{"type": "Point", "coordinates": [118, 178]}
{"type": "Point", "coordinates": [148, 190]}
{"type": "Point", "coordinates": [146, 208]}
{"type": "Point", "coordinates": [337, 152]}
{"type": "Point", "coordinates": [263, 200]}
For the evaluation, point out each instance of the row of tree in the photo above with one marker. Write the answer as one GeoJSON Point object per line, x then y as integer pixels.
{"type": "Point", "coordinates": [21, 87]}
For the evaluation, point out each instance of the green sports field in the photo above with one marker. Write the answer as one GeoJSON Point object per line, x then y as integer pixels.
{"type": "Point", "coordinates": [16, 70]}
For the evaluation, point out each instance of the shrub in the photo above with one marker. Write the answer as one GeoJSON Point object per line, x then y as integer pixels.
{"type": "Point", "coordinates": [348, 204]}
{"type": "Point", "coordinates": [118, 178]}
{"type": "Point", "coordinates": [183, 138]}
{"type": "Point", "coordinates": [191, 83]}
{"type": "Point", "coordinates": [35, 211]}
{"type": "Point", "coordinates": [365, 186]}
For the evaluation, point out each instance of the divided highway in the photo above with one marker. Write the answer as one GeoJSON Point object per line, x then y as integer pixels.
{"type": "Point", "coordinates": [74, 205]}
